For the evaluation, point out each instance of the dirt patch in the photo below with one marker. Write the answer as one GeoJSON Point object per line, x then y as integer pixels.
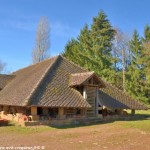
{"type": "Point", "coordinates": [104, 136]}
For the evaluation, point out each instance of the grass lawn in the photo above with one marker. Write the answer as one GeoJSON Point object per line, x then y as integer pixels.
{"type": "Point", "coordinates": [141, 121]}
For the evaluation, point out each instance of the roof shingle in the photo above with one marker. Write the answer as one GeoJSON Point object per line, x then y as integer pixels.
{"type": "Point", "coordinates": [5, 79]}
{"type": "Point", "coordinates": [44, 84]}
{"type": "Point", "coordinates": [78, 79]}
{"type": "Point", "coordinates": [112, 94]}
{"type": "Point", "coordinates": [48, 84]}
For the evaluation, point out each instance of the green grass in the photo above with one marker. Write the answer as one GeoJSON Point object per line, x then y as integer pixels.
{"type": "Point", "coordinates": [143, 112]}
{"type": "Point", "coordinates": [143, 125]}
{"type": "Point", "coordinates": [141, 121]}
{"type": "Point", "coordinates": [13, 128]}
{"type": "Point", "coordinates": [140, 112]}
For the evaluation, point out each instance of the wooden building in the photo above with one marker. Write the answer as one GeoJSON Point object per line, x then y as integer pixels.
{"type": "Point", "coordinates": [57, 89]}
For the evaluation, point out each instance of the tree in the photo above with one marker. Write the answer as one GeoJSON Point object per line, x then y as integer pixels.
{"type": "Point", "coordinates": [113, 56]}
{"type": "Point", "coordinates": [2, 66]}
{"type": "Point", "coordinates": [135, 70]}
{"type": "Point", "coordinates": [145, 61]}
{"type": "Point", "coordinates": [120, 53]}
{"type": "Point", "coordinates": [94, 47]}
{"type": "Point", "coordinates": [72, 51]}
{"type": "Point", "coordinates": [42, 43]}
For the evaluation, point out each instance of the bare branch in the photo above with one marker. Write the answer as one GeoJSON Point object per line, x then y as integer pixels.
{"type": "Point", "coordinates": [42, 45]}
{"type": "Point", "coordinates": [2, 66]}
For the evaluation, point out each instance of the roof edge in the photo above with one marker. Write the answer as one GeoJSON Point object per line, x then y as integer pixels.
{"type": "Point", "coordinates": [74, 63]}
{"type": "Point", "coordinates": [40, 81]}
{"type": "Point", "coordinates": [127, 95]}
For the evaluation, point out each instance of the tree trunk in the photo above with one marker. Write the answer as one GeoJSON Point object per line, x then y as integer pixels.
{"type": "Point", "coordinates": [123, 69]}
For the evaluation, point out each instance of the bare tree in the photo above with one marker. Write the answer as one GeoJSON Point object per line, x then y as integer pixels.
{"type": "Point", "coordinates": [121, 53]}
{"type": "Point", "coordinates": [2, 66]}
{"type": "Point", "coordinates": [42, 44]}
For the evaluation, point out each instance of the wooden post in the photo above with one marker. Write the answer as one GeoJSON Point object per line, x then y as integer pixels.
{"type": "Point", "coordinates": [33, 110]}
{"type": "Point", "coordinates": [34, 115]}
{"type": "Point", "coordinates": [132, 111]}
{"type": "Point", "coordinates": [61, 113]}
{"type": "Point", "coordinates": [5, 109]}
{"type": "Point", "coordinates": [83, 112]}
{"type": "Point", "coordinates": [96, 102]}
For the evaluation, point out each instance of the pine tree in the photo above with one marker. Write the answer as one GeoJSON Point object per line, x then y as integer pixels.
{"type": "Point", "coordinates": [102, 34]}
{"type": "Point", "coordinates": [72, 51]}
{"type": "Point", "coordinates": [145, 60]}
{"type": "Point", "coordinates": [95, 45]}
{"type": "Point", "coordinates": [135, 70]}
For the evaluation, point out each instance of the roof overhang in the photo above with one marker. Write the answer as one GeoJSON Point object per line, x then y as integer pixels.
{"type": "Point", "coordinates": [86, 78]}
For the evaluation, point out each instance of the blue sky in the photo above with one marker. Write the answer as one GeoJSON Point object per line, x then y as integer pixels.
{"type": "Point", "coordinates": [19, 19]}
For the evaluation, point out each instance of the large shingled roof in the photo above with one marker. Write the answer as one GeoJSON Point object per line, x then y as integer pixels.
{"type": "Point", "coordinates": [48, 84]}
{"type": "Point", "coordinates": [44, 84]}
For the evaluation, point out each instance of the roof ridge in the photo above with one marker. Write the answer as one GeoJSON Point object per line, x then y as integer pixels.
{"type": "Point", "coordinates": [74, 63]}
{"type": "Point", "coordinates": [41, 79]}
{"type": "Point", "coordinates": [74, 74]}
{"type": "Point", "coordinates": [34, 64]}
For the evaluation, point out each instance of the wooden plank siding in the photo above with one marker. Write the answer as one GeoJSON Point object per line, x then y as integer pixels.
{"type": "Point", "coordinates": [91, 96]}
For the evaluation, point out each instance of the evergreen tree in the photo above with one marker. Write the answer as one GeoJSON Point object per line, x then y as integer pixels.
{"type": "Point", "coordinates": [95, 44]}
{"type": "Point", "coordinates": [102, 35]}
{"type": "Point", "coordinates": [146, 33]}
{"type": "Point", "coordinates": [72, 51]}
{"type": "Point", "coordinates": [93, 50]}
{"type": "Point", "coordinates": [145, 60]}
{"type": "Point", "coordinates": [135, 70]}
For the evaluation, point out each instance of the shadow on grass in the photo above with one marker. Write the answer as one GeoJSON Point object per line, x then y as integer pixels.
{"type": "Point", "coordinates": [136, 117]}
{"type": "Point", "coordinates": [92, 122]}
{"type": "Point", "coordinates": [7, 124]}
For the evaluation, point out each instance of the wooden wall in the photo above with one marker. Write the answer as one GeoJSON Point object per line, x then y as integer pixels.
{"type": "Point", "coordinates": [91, 96]}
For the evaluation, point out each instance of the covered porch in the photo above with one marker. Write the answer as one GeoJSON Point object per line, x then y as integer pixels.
{"type": "Point", "coordinates": [35, 114]}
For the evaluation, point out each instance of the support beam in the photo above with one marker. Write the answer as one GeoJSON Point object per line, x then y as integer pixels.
{"type": "Point", "coordinates": [96, 102]}
{"type": "Point", "coordinates": [34, 115]}
{"type": "Point", "coordinates": [61, 113]}
{"type": "Point", "coordinates": [33, 110]}
{"type": "Point", "coordinates": [6, 109]}
{"type": "Point", "coordinates": [83, 111]}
